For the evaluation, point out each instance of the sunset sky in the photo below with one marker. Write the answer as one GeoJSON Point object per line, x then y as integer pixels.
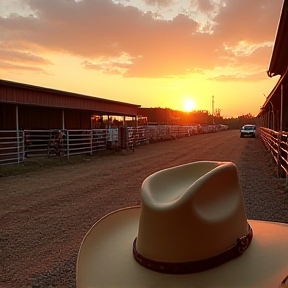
{"type": "Point", "coordinates": [155, 53]}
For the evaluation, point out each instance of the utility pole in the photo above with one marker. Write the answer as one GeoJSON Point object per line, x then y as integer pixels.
{"type": "Point", "coordinates": [213, 109]}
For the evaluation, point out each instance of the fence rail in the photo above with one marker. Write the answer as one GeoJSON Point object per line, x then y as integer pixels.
{"type": "Point", "coordinates": [11, 147]}
{"type": "Point", "coordinates": [277, 144]}
{"type": "Point", "coordinates": [16, 146]}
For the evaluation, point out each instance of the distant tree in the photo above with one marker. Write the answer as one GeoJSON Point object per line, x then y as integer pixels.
{"type": "Point", "coordinates": [217, 113]}
{"type": "Point", "coordinates": [237, 123]}
{"type": "Point", "coordinates": [175, 117]}
{"type": "Point", "coordinates": [247, 116]}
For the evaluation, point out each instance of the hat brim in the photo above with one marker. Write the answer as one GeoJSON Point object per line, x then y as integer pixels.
{"type": "Point", "coordinates": [105, 258]}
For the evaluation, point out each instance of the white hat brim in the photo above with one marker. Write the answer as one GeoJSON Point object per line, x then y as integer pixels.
{"type": "Point", "coordinates": [105, 258]}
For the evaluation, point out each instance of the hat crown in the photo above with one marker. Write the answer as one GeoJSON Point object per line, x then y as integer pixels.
{"type": "Point", "coordinates": [191, 212]}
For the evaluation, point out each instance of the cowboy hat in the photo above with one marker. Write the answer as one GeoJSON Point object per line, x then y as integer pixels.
{"type": "Point", "coordinates": [190, 231]}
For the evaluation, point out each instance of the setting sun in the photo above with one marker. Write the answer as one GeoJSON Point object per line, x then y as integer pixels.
{"type": "Point", "coordinates": [189, 105]}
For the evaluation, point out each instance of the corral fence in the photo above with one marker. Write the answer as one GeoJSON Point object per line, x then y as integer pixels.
{"type": "Point", "coordinates": [16, 146]}
{"type": "Point", "coordinates": [277, 144]}
{"type": "Point", "coordinates": [12, 147]}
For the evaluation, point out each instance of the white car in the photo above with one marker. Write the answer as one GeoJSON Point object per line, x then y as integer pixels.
{"type": "Point", "coordinates": [248, 130]}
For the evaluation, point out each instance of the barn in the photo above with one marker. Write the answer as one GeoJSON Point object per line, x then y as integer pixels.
{"type": "Point", "coordinates": [37, 121]}
{"type": "Point", "coordinates": [24, 106]}
{"type": "Point", "coordinates": [274, 112]}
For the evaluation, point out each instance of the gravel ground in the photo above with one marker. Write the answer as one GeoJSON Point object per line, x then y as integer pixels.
{"type": "Point", "coordinates": [44, 214]}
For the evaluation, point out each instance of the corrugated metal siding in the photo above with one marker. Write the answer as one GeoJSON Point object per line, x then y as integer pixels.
{"type": "Point", "coordinates": [279, 59]}
{"type": "Point", "coordinates": [33, 95]}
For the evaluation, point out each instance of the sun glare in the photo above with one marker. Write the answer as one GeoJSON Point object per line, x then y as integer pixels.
{"type": "Point", "coordinates": [189, 105]}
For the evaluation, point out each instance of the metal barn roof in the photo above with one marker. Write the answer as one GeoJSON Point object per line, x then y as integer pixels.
{"type": "Point", "coordinates": [19, 93]}
{"type": "Point", "coordinates": [279, 59]}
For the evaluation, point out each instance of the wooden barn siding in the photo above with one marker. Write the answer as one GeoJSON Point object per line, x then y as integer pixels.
{"type": "Point", "coordinates": [64, 100]}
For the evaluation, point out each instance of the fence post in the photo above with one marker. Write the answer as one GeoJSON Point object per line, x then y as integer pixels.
{"type": "Point", "coordinates": [280, 172]}
{"type": "Point", "coordinates": [286, 179]}
{"type": "Point", "coordinates": [91, 142]}
{"type": "Point", "coordinates": [67, 139]}
{"type": "Point", "coordinates": [23, 144]}
{"type": "Point", "coordinates": [17, 134]}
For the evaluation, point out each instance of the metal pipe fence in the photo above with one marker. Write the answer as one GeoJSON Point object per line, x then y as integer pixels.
{"type": "Point", "coordinates": [12, 147]}
{"type": "Point", "coordinates": [277, 144]}
{"type": "Point", "coordinates": [37, 142]}
{"type": "Point", "coordinates": [16, 146]}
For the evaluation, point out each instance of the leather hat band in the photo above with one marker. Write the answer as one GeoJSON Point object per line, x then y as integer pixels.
{"type": "Point", "coordinates": [195, 266]}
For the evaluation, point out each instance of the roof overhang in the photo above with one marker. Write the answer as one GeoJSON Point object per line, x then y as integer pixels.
{"type": "Point", "coordinates": [24, 94]}
{"type": "Point", "coordinates": [276, 92]}
{"type": "Point", "coordinates": [279, 59]}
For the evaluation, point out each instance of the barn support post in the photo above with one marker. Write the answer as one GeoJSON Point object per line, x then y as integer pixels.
{"type": "Point", "coordinates": [63, 120]}
{"type": "Point", "coordinates": [272, 114]}
{"type": "Point", "coordinates": [286, 178]}
{"type": "Point", "coordinates": [67, 139]}
{"type": "Point", "coordinates": [17, 134]}
{"type": "Point", "coordinates": [284, 124]}
{"type": "Point", "coordinates": [268, 124]}
{"type": "Point", "coordinates": [91, 142]}
{"type": "Point", "coordinates": [281, 172]}
{"type": "Point", "coordinates": [281, 108]}
{"type": "Point", "coordinates": [263, 120]}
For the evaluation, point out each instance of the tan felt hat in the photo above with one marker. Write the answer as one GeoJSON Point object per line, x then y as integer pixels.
{"type": "Point", "coordinates": [190, 231]}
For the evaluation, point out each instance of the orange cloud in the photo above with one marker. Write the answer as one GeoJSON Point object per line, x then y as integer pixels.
{"type": "Point", "coordinates": [93, 29]}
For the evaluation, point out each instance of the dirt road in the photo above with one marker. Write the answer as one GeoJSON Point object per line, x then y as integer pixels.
{"type": "Point", "coordinates": [45, 214]}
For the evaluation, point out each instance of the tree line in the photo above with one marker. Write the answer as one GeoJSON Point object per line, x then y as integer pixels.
{"type": "Point", "coordinates": [162, 116]}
